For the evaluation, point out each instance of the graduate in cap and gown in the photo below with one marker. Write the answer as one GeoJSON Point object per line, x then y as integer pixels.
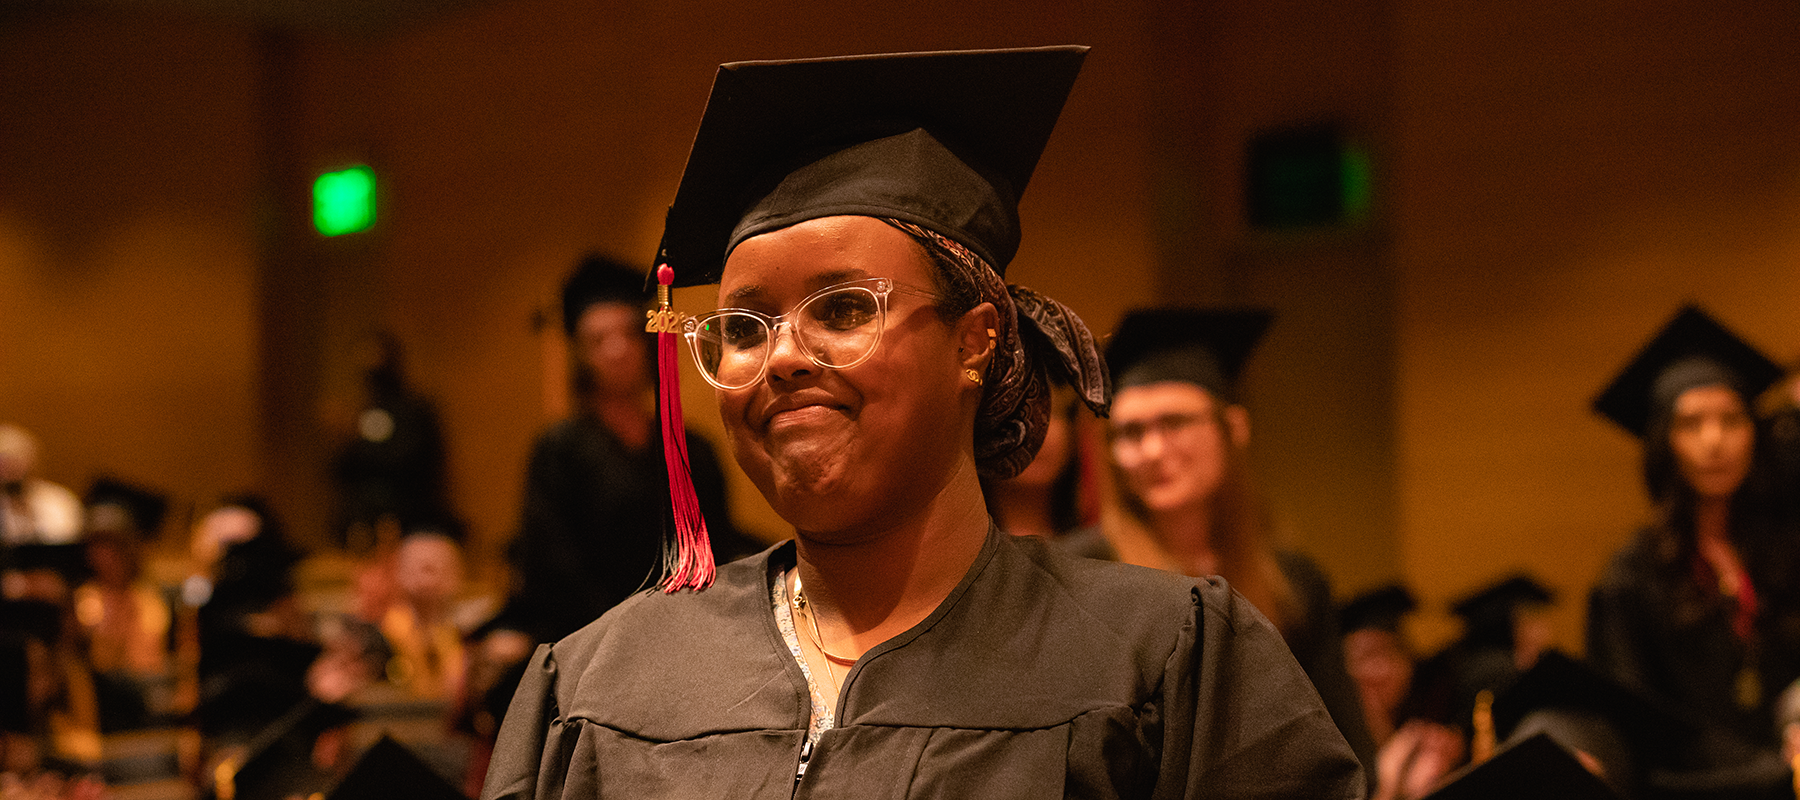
{"type": "Point", "coordinates": [1699, 611]}
{"type": "Point", "coordinates": [1183, 501]}
{"type": "Point", "coordinates": [871, 365]}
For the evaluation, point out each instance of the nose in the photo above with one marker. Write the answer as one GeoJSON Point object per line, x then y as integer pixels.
{"type": "Point", "coordinates": [1712, 434]}
{"type": "Point", "coordinates": [786, 360]}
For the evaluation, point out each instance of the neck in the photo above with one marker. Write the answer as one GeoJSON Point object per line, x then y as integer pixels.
{"type": "Point", "coordinates": [867, 589]}
{"type": "Point", "coordinates": [1712, 518]}
{"type": "Point", "coordinates": [624, 414]}
{"type": "Point", "coordinates": [1024, 510]}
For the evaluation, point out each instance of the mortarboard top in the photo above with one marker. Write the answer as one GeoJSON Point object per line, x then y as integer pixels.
{"type": "Point", "coordinates": [1379, 609]}
{"type": "Point", "coordinates": [945, 140]}
{"type": "Point", "coordinates": [600, 279]}
{"type": "Point", "coordinates": [1208, 346]}
{"type": "Point", "coordinates": [146, 507]}
{"type": "Point", "coordinates": [1495, 603]}
{"type": "Point", "coordinates": [387, 770]}
{"type": "Point", "coordinates": [278, 762]}
{"type": "Point", "coordinates": [1557, 681]}
{"type": "Point", "coordinates": [1533, 768]}
{"type": "Point", "coordinates": [1692, 335]}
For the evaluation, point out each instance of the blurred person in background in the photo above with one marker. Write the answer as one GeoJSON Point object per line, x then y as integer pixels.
{"type": "Point", "coordinates": [425, 625]}
{"type": "Point", "coordinates": [126, 618]}
{"type": "Point", "coordinates": [1182, 498]}
{"type": "Point", "coordinates": [1052, 497]}
{"type": "Point", "coordinates": [1505, 628]}
{"type": "Point", "coordinates": [254, 643]}
{"type": "Point", "coordinates": [1701, 610]}
{"type": "Point", "coordinates": [390, 470]}
{"type": "Point", "coordinates": [591, 532]}
{"type": "Point", "coordinates": [32, 510]}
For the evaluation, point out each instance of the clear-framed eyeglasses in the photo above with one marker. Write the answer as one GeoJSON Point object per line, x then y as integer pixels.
{"type": "Point", "coordinates": [837, 327]}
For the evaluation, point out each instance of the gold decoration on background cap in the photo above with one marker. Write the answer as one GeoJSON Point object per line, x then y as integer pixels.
{"type": "Point", "coordinates": [1483, 740]}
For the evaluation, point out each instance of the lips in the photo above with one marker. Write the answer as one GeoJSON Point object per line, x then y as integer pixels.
{"type": "Point", "coordinates": [798, 409]}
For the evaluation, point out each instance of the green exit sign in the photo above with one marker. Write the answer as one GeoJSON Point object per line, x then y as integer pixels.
{"type": "Point", "coordinates": [344, 201]}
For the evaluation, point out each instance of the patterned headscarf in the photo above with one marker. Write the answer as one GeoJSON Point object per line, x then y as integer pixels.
{"type": "Point", "coordinates": [1035, 332]}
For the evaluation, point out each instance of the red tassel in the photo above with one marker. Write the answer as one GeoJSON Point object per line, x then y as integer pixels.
{"type": "Point", "coordinates": [689, 563]}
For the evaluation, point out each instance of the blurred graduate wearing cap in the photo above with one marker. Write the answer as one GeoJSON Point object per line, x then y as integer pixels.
{"type": "Point", "coordinates": [1700, 611]}
{"type": "Point", "coordinates": [1505, 627]}
{"type": "Point", "coordinates": [591, 528]}
{"type": "Point", "coordinates": [1182, 499]}
{"type": "Point", "coordinates": [871, 367]}
{"type": "Point", "coordinates": [1379, 657]}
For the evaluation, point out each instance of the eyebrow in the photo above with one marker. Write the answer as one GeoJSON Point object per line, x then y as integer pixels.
{"type": "Point", "coordinates": [815, 283]}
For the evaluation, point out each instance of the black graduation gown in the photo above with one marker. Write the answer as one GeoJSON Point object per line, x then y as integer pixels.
{"type": "Point", "coordinates": [1680, 651]}
{"type": "Point", "coordinates": [591, 531]}
{"type": "Point", "coordinates": [1040, 675]}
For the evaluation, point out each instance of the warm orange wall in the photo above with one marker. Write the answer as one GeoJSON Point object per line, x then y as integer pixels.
{"type": "Point", "coordinates": [127, 197]}
{"type": "Point", "coordinates": [1568, 175]}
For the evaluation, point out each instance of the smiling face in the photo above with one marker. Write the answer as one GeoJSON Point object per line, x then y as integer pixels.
{"type": "Point", "coordinates": [1712, 436]}
{"type": "Point", "coordinates": [1170, 444]}
{"type": "Point", "coordinates": [842, 454]}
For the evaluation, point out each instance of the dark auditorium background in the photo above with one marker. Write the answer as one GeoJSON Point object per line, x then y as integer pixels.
{"type": "Point", "coordinates": [1547, 180]}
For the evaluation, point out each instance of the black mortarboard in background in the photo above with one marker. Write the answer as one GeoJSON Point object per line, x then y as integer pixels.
{"type": "Point", "coordinates": [1207, 347]}
{"type": "Point", "coordinates": [1690, 351]}
{"type": "Point", "coordinates": [600, 279]}
{"type": "Point", "coordinates": [1487, 613]}
{"type": "Point", "coordinates": [1378, 609]}
{"type": "Point", "coordinates": [1537, 767]}
{"type": "Point", "coordinates": [945, 140]}
{"type": "Point", "coordinates": [145, 507]}
{"type": "Point", "coordinates": [388, 770]}
{"type": "Point", "coordinates": [278, 762]}
{"type": "Point", "coordinates": [1556, 681]}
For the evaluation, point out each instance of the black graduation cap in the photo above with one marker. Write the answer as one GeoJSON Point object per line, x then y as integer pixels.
{"type": "Point", "coordinates": [387, 770]}
{"type": "Point", "coordinates": [599, 279]}
{"type": "Point", "coordinates": [278, 762]}
{"type": "Point", "coordinates": [1379, 609]}
{"type": "Point", "coordinates": [145, 507]}
{"type": "Point", "coordinates": [1691, 350]}
{"type": "Point", "coordinates": [1491, 608]}
{"type": "Point", "coordinates": [1534, 768]}
{"type": "Point", "coordinates": [945, 140]}
{"type": "Point", "coordinates": [1204, 346]}
{"type": "Point", "coordinates": [1557, 681]}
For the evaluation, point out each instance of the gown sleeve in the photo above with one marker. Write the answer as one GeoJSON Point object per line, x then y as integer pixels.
{"type": "Point", "coordinates": [531, 754]}
{"type": "Point", "coordinates": [1242, 719]}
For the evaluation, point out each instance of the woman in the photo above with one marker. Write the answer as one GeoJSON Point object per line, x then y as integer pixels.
{"type": "Point", "coordinates": [587, 539]}
{"type": "Point", "coordinates": [1049, 497]}
{"type": "Point", "coordinates": [1698, 611]}
{"type": "Point", "coordinates": [1183, 500]}
{"type": "Point", "coordinates": [870, 368]}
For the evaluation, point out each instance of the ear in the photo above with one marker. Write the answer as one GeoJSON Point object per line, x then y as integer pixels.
{"type": "Point", "coordinates": [975, 337]}
{"type": "Point", "coordinates": [1237, 425]}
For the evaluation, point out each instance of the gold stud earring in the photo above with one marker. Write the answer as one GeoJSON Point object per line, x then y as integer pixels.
{"type": "Point", "coordinates": [973, 376]}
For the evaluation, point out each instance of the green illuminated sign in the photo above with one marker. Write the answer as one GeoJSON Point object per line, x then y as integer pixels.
{"type": "Point", "coordinates": [344, 201]}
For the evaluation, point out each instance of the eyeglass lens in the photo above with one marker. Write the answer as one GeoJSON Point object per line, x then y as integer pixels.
{"type": "Point", "coordinates": [836, 329]}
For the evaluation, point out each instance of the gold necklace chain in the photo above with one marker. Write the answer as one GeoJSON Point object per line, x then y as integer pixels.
{"type": "Point", "coordinates": [812, 621]}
